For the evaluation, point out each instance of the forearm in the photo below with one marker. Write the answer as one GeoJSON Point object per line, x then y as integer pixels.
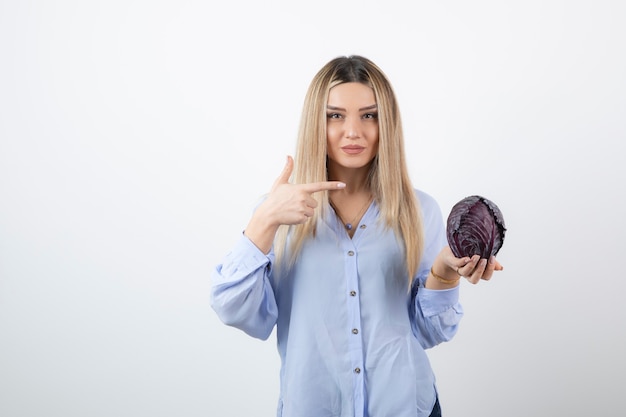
{"type": "Point", "coordinates": [241, 293]}
{"type": "Point", "coordinates": [261, 231]}
{"type": "Point", "coordinates": [436, 315]}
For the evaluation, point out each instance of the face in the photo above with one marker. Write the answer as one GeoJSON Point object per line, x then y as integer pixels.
{"type": "Point", "coordinates": [352, 125]}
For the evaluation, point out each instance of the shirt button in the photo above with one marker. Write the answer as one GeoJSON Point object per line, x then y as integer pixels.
{"type": "Point", "coordinates": [357, 370]}
{"type": "Point", "coordinates": [350, 253]}
{"type": "Point", "coordinates": [353, 293]}
{"type": "Point", "coordinates": [363, 226]}
{"type": "Point", "coordinates": [355, 331]}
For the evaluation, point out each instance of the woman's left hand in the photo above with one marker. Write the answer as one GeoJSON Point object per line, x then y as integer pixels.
{"type": "Point", "coordinates": [474, 268]}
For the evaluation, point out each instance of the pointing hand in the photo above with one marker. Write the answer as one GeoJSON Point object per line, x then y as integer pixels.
{"type": "Point", "coordinates": [285, 204]}
{"type": "Point", "coordinates": [293, 203]}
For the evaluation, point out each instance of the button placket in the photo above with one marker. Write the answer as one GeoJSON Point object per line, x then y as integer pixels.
{"type": "Point", "coordinates": [353, 323]}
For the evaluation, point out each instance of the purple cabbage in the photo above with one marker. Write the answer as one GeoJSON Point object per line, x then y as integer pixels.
{"type": "Point", "coordinates": [475, 227]}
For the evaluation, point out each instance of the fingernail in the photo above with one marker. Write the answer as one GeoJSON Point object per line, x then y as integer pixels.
{"type": "Point", "coordinates": [492, 260]}
{"type": "Point", "coordinates": [341, 185]}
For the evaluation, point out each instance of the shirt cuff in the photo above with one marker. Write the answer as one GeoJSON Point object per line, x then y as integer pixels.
{"type": "Point", "coordinates": [244, 258]}
{"type": "Point", "coordinates": [434, 302]}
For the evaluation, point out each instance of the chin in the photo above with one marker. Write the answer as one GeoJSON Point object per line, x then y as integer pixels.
{"type": "Point", "coordinates": [355, 163]}
{"type": "Point", "coordinates": [352, 162]}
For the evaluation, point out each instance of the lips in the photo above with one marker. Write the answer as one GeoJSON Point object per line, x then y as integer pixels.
{"type": "Point", "coordinates": [352, 149]}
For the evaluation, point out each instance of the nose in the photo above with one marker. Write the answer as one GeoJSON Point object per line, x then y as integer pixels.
{"type": "Point", "coordinates": [351, 128]}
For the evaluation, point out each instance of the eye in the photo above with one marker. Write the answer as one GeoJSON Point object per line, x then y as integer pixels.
{"type": "Point", "coordinates": [333, 115]}
{"type": "Point", "coordinates": [370, 116]}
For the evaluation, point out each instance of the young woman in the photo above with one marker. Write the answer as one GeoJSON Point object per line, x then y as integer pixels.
{"type": "Point", "coordinates": [348, 261]}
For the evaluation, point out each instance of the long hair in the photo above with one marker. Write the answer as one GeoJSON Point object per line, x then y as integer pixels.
{"type": "Point", "coordinates": [388, 176]}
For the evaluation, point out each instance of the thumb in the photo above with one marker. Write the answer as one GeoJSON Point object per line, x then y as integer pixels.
{"type": "Point", "coordinates": [283, 178]}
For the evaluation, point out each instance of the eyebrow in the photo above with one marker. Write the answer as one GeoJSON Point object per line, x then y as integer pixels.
{"type": "Point", "coordinates": [373, 106]}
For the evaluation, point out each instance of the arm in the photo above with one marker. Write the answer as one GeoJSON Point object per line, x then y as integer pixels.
{"type": "Point", "coordinates": [436, 291]}
{"type": "Point", "coordinates": [241, 293]}
{"type": "Point", "coordinates": [435, 308]}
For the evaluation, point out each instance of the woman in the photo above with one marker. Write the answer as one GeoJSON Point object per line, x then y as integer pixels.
{"type": "Point", "coordinates": [348, 260]}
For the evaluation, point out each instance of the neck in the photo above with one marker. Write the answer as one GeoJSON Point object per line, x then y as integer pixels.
{"type": "Point", "coordinates": [356, 179]}
{"type": "Point", "coordinates": [351, 202]}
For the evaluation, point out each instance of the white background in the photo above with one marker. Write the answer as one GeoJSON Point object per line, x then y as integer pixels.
{"type": "Point", "coordinates": [136, 137]}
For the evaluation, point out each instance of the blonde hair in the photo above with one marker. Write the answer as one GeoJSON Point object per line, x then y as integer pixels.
{"type": "Point", "coordinates": [388, 176]}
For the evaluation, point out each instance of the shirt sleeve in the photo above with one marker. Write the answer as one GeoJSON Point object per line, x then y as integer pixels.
{"type": "Point", "coordinates": [435, 313]}
{"type": "Point", "coordinates": [241, 293]}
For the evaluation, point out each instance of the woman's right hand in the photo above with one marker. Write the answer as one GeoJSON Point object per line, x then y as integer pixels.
{"type": "Point", "coordinates": [286, 204]}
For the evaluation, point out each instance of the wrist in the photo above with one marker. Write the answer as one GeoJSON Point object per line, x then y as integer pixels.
{"type": "Point", "coordinates": [444, 279]}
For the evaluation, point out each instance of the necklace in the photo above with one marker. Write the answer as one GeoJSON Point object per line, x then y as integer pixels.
{"type": "Point", "coordinates": [349, 225]}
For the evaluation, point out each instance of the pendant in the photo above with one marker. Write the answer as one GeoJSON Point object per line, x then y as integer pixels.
{"type": "Point", "coordinates": [349, 226]}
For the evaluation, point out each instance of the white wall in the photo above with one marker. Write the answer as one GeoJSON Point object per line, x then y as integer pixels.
{"type": "Point", "coordinates": [135, 137]}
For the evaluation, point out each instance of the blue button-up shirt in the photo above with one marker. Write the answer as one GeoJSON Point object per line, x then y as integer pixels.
{"type": "Point", "coordinates": [351, 337]}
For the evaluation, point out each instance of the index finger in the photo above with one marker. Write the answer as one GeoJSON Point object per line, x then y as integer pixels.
{"type": "Point", "coordinates": [323, 186]}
